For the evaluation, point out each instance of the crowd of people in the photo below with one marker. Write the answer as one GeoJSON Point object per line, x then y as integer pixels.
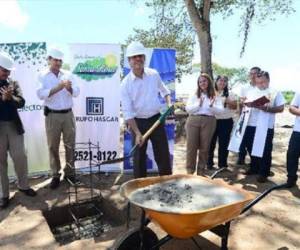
{"type": "Point", "coordinates": [56, 89]}
{"type": "Point", "coordinates": [211, 109]}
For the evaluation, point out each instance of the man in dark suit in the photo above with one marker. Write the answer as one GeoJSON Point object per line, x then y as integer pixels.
{"type": "Point", "coordinates": [11, 132]}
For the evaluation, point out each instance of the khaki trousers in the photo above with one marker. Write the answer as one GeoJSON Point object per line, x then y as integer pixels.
{"type": "Point", "coordinates": [12, 142]}
{"type": "Point", "coordinates": [58, 124]}
{"type": "Point", "coordinates": [199, 131]}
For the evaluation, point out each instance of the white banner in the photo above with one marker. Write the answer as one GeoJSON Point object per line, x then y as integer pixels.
{"type": "Point", "coordinates": [96, 69]}
{"type": "Point", "coordinates": [29, 59]}
{"type": "Point", "coordinates": [239, 131]}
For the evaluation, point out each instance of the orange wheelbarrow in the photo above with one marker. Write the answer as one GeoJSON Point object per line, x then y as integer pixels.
{"type": "Point", "coordinates": [184, 224]}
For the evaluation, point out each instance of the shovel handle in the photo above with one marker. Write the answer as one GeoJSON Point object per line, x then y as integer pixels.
{"type": "Point", "coordinates": [160, 120]}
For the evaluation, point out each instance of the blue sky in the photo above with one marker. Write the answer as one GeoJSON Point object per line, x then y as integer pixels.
{"type": "Point", "coordinates": [275, 46]}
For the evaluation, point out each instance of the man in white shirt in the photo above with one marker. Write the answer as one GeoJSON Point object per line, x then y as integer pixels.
{"type": "Point", "coordinates": [262, 165]}
{"type": "Point", "coordinates": [293, 152]}
{"type": "Point", "coordinates": [57, 89]}
{"type": "Point", "coordinates": [141, 108]}
{"type": "Point", "coordinates": [244, 91]}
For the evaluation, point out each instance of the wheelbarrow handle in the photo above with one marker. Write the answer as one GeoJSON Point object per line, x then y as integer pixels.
{"type": "Point", "coordinates": [216, 173]}
{"type": "Point", "coordinates": [261, 196]}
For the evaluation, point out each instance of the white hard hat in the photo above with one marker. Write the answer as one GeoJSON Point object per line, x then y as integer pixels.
{"type": "Point", "coordinates": [134, 49]}
{"type": "Point", "coordinates": [56, 53]}
{"type": "Point", "coordinates": [6, 61]}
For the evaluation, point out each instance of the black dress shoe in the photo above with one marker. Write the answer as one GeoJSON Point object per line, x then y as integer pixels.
{"type": "Point", "coordinates": [250, 172]}
{"type": "Point", "coordinates": [240, 162]}
{"type": "Point", "coordinates": [54, 182]}
{"type": "Point", "coordinates": [28, 192]}
{"type": "Point", "coordinates": [290, 184]}
{"type": "Point", "coordinates": [210, 167]}
{"type": "Point", "coordinates": [4, 202]}
{"type": "Point", "coordinates": [262, 179]}
{"type": "Point", "coordinates": [72, 179]}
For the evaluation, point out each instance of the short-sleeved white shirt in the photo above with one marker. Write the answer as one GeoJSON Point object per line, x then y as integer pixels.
{"type": "Point", "coordinates": [296, 102]}
{"type": "Point", "coordinates": [277, 101]}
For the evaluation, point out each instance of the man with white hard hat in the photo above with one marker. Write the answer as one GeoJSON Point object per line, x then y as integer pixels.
{"type": "Point", "coordinates": [57, 89]}
{"type": "Point", "coordinates": [11, 132]}
{"type": "Point", "coordinates": [141, 108]}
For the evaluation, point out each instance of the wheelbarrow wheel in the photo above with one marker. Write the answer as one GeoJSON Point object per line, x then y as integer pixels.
{"type": "Point", "coordinates": [132, 240]}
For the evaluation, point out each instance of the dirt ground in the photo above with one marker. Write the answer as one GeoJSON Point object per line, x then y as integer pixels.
{"type": "Point", "coordinates": [273, 223]}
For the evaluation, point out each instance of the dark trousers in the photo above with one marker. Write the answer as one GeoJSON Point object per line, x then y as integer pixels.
{"type": "Point", "coordinates": [260, 165]}
{"type": "Point", "coordinates": [292, 157]}
{"type": "Point", "coordinates": [222, 134]}
{"type": "Point", "coordinates": [242, 154]}
{"type": "Point", "coordinates": [160, 146]}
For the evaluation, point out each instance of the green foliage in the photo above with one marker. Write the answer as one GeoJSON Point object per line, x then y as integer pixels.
{"type": "Point", "coordinates": [172, 25]}
{"type": "Point", "coordinates": [288, 95]}
{"type": "Point", "coordinates": [235, 75]}
{"type": "Point", "coordinates": [31, 53]}
{"type": "Point", "coordinates": [258, 11]}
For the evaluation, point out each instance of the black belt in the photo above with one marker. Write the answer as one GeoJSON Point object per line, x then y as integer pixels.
{"type": "Point", "coordinates": [62, 111]}
{"type": "Point", "coordinates": [204, 115]}
{"type": "Point", "coordinates": [154, 117]}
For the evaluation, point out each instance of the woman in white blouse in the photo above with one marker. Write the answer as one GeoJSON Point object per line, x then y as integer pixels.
{"type": "Point", "coordinates": [200, 124]}
{"type": "Point", "coordinates": [223, 108]}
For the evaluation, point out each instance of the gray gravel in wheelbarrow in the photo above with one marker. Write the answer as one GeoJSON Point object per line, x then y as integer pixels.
{"type": "Point", "coordinates": [188, 195]}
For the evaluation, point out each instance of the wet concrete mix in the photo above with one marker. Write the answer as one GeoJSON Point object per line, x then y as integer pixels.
{"type": "Point", "coordinates": [184, 195]}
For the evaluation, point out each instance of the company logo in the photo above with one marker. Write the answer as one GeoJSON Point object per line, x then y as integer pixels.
{"type": "Point", "coordinates": [97, 68]}
{"type": "Point", "coordinates": [95, 112]}
{"type": "Point", "coordinates": [94, 106]}
{"type": "Point", "coordinates": [31, 107]}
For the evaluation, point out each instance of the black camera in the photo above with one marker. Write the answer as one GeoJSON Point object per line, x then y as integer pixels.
{"type": "Point", "coordinates": [46, 111]}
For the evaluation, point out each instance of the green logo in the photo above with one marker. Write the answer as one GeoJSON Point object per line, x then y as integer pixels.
{"type": "Point", "coordinates": [97, 68]}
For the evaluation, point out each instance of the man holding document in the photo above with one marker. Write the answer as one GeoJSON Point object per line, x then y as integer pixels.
{"type": "Point", "coordinates": [256, 131]}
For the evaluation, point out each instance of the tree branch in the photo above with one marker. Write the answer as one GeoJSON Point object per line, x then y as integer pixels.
{"type": "Point", "coordinates": [194, 15]}
{"type": "Point", "coordinates": [206, 10]}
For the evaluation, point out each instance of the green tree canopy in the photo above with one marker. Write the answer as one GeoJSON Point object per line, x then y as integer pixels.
{"type": "Point", "coordinates": [194, 18]}
{"type": "Point", "coordinates": [235, 75]}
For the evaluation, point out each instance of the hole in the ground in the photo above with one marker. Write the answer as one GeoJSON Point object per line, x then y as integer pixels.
{"type": "Point", "coordinates": [81, 221]}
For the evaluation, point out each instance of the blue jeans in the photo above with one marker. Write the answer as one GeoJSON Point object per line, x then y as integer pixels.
{"type": "Point", "coordinates": [292, 156]}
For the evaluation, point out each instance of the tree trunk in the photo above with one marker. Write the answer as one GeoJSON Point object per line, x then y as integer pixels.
{"type": "Point", "coordinates": [201, 22]}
